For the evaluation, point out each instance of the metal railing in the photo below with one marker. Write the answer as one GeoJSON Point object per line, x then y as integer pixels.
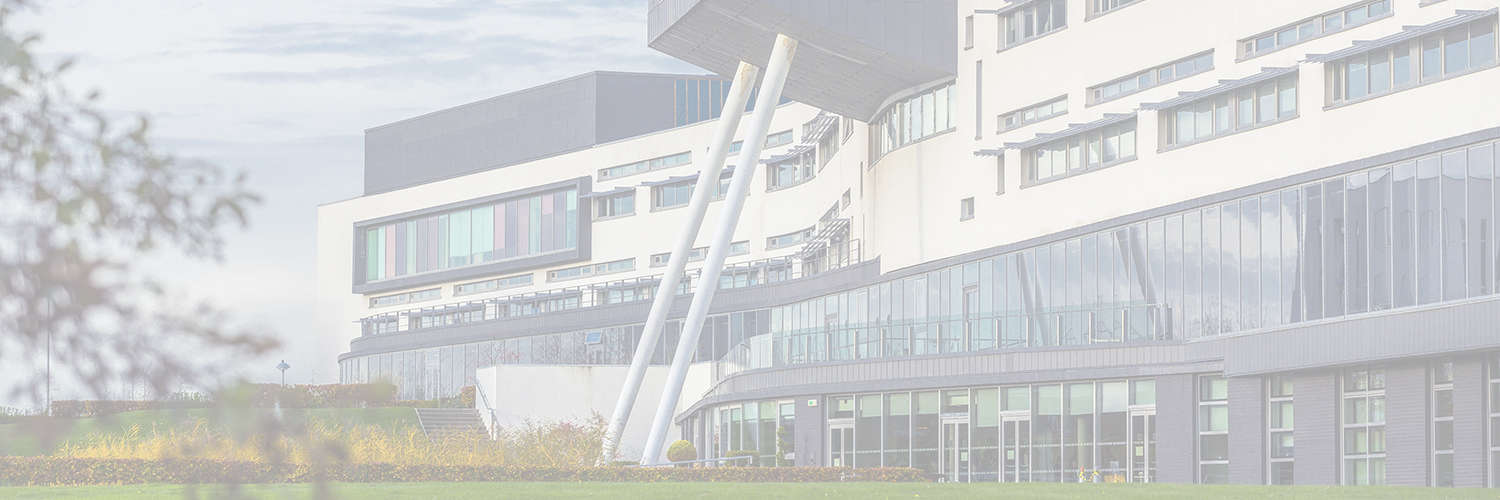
{"type": "Point", "coordinates": [832, 256]}
{"type": "Point", "coordinates": [948, 335]}
{"type": "Point", "coordinates": [491, 425]}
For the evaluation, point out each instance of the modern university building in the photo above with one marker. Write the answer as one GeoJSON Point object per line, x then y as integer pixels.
{"type": "Point", "coordinates": [1026, 240]}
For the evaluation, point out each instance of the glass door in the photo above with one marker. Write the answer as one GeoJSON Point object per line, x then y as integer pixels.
{"type": "Point", "coordinates": [841, 445]}
{"type": "Point", "coordinates": [1015, 434]}
{"type": "Point", "coordinates": [955, 452]}
{"type": "Point", "coordinates": [1142, 446]}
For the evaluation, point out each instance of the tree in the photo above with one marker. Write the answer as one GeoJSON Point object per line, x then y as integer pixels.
{"type": "Point", "coordinates": [83, 202]}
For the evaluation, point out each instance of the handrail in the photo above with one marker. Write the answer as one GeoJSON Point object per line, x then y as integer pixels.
{"type": "Point", "coordinates": [494, 425]}
{"type": "Point", "coordinates": [749, 274]}
{"type": "Point", "coordinates": [699, 461]}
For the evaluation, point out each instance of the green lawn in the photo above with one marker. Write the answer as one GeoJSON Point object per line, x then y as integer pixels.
{"type": "Point", "coordinates": [25, 437]}
{"type": "Point", "coordinates": [614, 491]}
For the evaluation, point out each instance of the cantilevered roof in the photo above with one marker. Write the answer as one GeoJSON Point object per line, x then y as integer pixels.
{"type": "Point", "coordinates": [1407, 33]}
{"type": "Point", "coordinates": [851, 55]}
{"type": "Point", "coordinates": [790, 153]}
{"type": "Point", "coordinates": [1073, 129]}
{"type": "Point", "coordinates": [1222, 87]}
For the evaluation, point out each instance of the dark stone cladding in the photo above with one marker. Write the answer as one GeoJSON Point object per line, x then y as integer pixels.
{"type": "Point", "coordinates": [577, 254]}
{"type": "Point", "coordinates": [730, 300]}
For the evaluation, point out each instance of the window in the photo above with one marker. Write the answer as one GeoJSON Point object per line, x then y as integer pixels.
{"type": "Point", "coordinates": [789, 239]}
{"type": "Point", "coordinates": [1237, 109]}
{"type": "Point", "coordinates": [966, 209]}
{"type": "Point", "coordinates": [968, 32]}
{"type": "Point", "coordinates": [1031, 20]}
{"type": "Point", "coordinates": [644, 166]}
{"type": "Point", "coordinates": [1151, 77]}
{"type": "Point", "coordinates": [495, 231]}
{"type": "Point", "coordinates": [1442, 423]}
{"type": "Point", "coordinates": [672, 195]}
{"type": "Point", "coordinates": [1279, 426]}
{"type": "Point", "coordinates": [1081, 152]}
{"type": "Point", "coordinates": [790, 171]}
{"type": "Point", "coordinates": [1033, 114]}
{"type": "Point", "coordinates": [1100, 7]}
{"type": "Point", "coordinates": [906, 121]}
{"type": "Point", "coordinates": [1213, 430]}
{"type": "Point", "coordinates": [699, 99]}
{"type": "Point", "coordinates": [739, 248]}
{"type": "Point", "coordinates": [491, 285]}
{"type": "Point", "coordinates": [1409, 63]}
{"type": "Point", "coordinates": [584, 271]}
{"type": "Point", "coordinates": [1314, 27]}
{"type": "Point", "coordinates": [694, 255]}
{"type": "Point", "coordinates": [406, 298]}
{"type": "Point", "coordinates": [1363, 437]}
{"type": "Point", "coordinates": [615, 205]}
{"type": "Point", "coordinates": [845, 200]}
{"type": "Point", "coordinates": [781, 138]}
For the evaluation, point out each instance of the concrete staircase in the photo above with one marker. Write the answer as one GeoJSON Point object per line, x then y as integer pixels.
{"type": "Point", "coordinates": [449, 422]}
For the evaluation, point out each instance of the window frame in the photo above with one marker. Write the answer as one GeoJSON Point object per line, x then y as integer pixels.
{"type": "Point", "coordinates": [1021, 122]}
{"type": "Point", "coordinates": [1093, 95]}
{"type": "Point", "coordinates": [1091, 12]}
{"type": "Point", "coordinates": [1273, 400]}
{"type": "Point", "coordinates": [1084, 142]}
{"type": "Point", "coordinates": [1167, 118]}
{"type": "Point", "coordinates": [1369, 394]}
{"type": "Point", "coordinates": [1336, 72]}
{"type": "Point", "coordinates": [1241, 54]}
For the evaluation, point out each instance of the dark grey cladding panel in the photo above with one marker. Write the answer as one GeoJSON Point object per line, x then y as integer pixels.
{"type": "Point", "coordinates": [960, 370]}
{"type": "Point", "coordinates": [725, 301]}
{"type": "Point", "coordinates": [542, 121]}
{"type": "Point", "coordinates": [1315, 404]}
{"type": "Point", "coordinates": [505, 130]}
{"type": "Point", "coordinates": [1247, 423]}
{"type": "Point", "coordinates": [1406, 424]}
{"type": "Point", "coordinates": [631, 104]}
{"type": "Point", "coordinates": [809, 427]}
{"type": "Point", "coordinates": [852, 55]}
{"type": "Point", "coordinates": [1469, 422]}
{"type": "Point", "coordinates": [1420, 332]}
{"type": "Point", "coordinates": [1176, 435]}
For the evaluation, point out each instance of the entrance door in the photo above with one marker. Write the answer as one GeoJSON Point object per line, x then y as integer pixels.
{"type": "Point", "coordinates": [841, 445]}
{"type": "Point", "coordinates": [1142, 446]}
{"type": "Point", "coordinates": [1015, 435]}
{"type": "Point", "coordinates": [955, 452]}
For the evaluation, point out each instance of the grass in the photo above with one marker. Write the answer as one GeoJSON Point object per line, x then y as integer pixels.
{"type": "Point", "coordinates": [21, 437]}
{"type": "Point", "coordinates": [615, 491]}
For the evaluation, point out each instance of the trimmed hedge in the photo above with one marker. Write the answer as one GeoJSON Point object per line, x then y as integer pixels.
{"type": "Point", "coordinates": [29, 471]}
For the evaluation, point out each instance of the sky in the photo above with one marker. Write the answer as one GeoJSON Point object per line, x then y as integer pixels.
{"type": "Point", "coordinates": [283, 90]}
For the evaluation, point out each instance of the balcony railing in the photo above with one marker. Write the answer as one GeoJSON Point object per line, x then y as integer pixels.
{"type": "Point", "coordinates": [812, 261]}
{"type": "Point", "coordinates": [948, 335]}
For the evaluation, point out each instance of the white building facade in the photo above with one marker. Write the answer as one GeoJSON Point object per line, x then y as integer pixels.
{"type": "Point", "coordinates": [1038, 240]}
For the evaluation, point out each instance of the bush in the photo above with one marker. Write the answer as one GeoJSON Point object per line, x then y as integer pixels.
{"type": "Point", "coordinates": [466, 397]}
{"type": "Point", "coordinates": [682, 450]}
{"type": "Point", "coordinates": [28, 471]}
{"type": "Point", "coordinates": [376, 394]}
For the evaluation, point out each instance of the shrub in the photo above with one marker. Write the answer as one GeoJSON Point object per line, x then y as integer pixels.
{"type": "Point", "coordinates": [26, 471]}
{"type": "Point", "coordinates": [682, 450]}
{"type": "Point", "coordinates": [466, 397]}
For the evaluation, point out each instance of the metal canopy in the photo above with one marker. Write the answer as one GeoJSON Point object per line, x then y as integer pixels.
{"type": "Point", "coordinates": [1222, 87]}
{"type": "Point", "coordinates": [1407, 33]}
{"type": "Point", "coordinates": [1073, 129]}
{"type": "Point", "coordinates": [612, 192]}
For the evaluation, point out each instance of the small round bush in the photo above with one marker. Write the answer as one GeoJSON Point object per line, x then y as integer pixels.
{"type": "Point", "coordinates": [681, 451]}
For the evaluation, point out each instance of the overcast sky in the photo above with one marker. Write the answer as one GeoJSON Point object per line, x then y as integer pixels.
{"type": "Point", "coordinates": [284, 89]}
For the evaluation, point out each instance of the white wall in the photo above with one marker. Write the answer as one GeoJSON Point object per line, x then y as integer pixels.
{"type": "Point", "coordinates": [556, 393]}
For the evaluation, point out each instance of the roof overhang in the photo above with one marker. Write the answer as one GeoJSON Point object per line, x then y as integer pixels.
{"type": "Point", "coordinates": [851, 56]}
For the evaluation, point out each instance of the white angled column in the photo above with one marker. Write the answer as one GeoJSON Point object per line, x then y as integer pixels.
{"type": "Point", "coordinates": [734, 202]}
{"type": "Point", "coordinates": [666, 291]}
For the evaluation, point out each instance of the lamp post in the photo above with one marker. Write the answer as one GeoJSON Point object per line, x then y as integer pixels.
{"type": "Point", "coordinates": [283, 367]}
